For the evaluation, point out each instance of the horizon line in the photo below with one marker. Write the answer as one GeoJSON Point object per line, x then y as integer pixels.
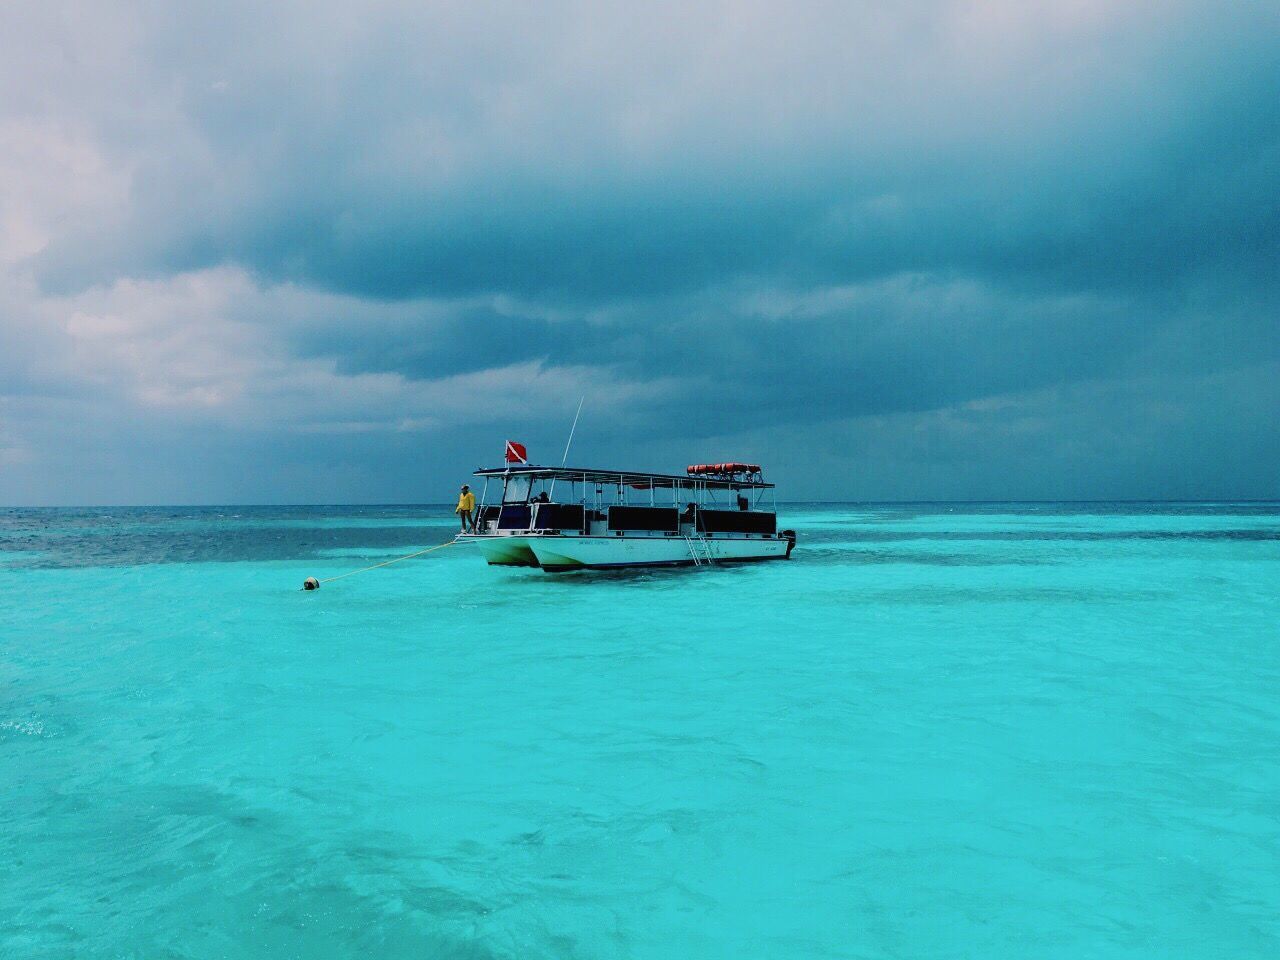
{"type": "Point", "coordinates": [443, 503]}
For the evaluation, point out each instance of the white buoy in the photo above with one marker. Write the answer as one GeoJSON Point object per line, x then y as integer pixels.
{"type": "Point", "coordinates": [311, 583]}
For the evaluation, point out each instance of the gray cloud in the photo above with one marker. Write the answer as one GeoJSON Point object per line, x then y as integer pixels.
{"type": "Point", "coordinates": [406, 221]}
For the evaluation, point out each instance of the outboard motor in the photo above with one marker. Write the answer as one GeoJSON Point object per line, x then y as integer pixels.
{"type": "Point", "coordinates": [791, 540]}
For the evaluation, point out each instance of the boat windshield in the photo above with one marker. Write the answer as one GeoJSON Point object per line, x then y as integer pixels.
{"type": "Point", "coordinates": [516, 489]}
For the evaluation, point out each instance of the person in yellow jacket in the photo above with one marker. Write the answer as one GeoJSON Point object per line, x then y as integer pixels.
{"type": "Point", "coordinates": [466, 506]}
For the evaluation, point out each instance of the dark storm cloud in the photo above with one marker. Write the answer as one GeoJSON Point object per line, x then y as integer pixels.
{"type": "Point", "coordinates": [430, 154]}
{"type": "Point", "coordinates": [743, 218]}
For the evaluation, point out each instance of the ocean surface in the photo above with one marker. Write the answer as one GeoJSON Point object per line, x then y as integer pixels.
{"type": "Point", "coordinates": [939, 731]}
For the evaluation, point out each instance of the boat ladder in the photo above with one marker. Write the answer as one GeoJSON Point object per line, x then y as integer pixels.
{"type": "Point", "coordinates": [707, 557]}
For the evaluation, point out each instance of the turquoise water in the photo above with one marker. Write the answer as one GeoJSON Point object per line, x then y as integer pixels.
{"type": "Point", "coordinates": [1033, 731]}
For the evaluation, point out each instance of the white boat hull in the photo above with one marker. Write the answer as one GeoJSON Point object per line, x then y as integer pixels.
{"type": "Point", "coordinates": [560, 554]}
{"type": "Point", "coordinates": [504, 551]}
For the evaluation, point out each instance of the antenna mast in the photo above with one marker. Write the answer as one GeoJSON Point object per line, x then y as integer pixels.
{"type": "Point", "coordinates": [572, 430]}
{"type": "Point", "coordinates": [565, 458]}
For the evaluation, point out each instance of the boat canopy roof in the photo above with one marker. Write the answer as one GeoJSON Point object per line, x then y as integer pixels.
{"type": "Point", "coordinates": [631, 478]}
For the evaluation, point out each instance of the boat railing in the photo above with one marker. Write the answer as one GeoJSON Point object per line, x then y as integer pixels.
{"type": "Point", "coordinates": [547, 517]}
{"type": "Point", "coordinates": [487, 518]}
{"type": "Point", "coordinates": [737, 521]}
{"type": "Point", "coordinates": [656, 519]}
{"type": "Point", "coordinates": [559, 517]}
{"type": "Point", "coordinates": [514, 516]}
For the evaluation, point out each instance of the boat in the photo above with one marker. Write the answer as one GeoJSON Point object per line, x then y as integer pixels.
{"type": "Point", "coordinates": [562, 519]}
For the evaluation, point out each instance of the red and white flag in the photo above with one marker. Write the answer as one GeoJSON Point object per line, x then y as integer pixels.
{"type": "Point", "coordinates": [516, 452]}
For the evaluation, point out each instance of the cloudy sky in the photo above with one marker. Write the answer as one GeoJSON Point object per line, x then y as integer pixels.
{"type": "Point", "coordinates": [340, 251]}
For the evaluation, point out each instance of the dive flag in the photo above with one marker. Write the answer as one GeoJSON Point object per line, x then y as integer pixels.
{"type": "Point", "coordinates": [516, 452]}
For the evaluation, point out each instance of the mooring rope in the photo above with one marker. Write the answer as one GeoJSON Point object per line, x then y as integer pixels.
{"type": "Point", "coordinates": [384, 563]}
